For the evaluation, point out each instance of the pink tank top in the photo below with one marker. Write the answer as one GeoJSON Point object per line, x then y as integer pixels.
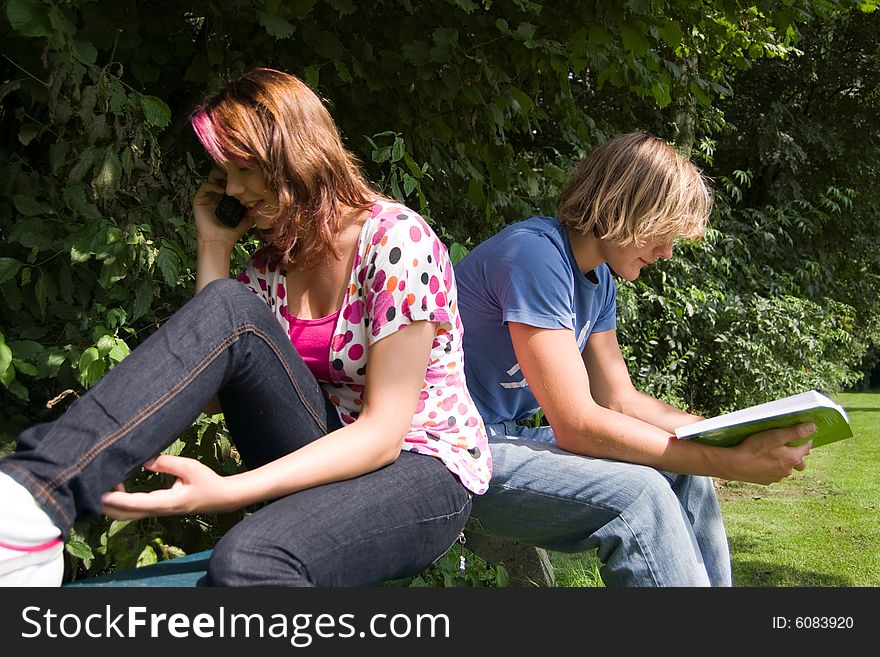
{"type": "Point", "coordinates": [311, 339]}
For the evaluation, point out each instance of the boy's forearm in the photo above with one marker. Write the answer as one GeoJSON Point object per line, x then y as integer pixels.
{"type": "Point", "coordinates": [604, 433]}
{"type": "Point", "coordinates": [653, 411]}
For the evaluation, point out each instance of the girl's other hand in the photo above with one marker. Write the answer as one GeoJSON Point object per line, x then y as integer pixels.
{"type": "Point", "coordinates": [197, 489]}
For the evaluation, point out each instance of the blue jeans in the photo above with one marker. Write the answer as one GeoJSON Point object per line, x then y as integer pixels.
{"type": "Point", "coordinates": [386, 524]}
{"type": "Point", "coordinates": [651, 528]}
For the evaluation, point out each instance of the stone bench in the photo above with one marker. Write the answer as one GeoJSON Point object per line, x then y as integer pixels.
{"type": "Point", "coordinates": [525, 565]}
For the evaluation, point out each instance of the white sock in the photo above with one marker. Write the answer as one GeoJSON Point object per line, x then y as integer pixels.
{"type": "Point", "coordinates": [31, 553]}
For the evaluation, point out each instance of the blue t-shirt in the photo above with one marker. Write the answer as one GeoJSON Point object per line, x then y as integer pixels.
{"type": "Point", "coordinates": [526, 273]}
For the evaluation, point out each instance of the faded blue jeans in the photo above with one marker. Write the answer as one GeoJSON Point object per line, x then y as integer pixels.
{"type": "Point", "coordinates": [383, 525]}
{"type": "Point", "coordinates": [651, 528]}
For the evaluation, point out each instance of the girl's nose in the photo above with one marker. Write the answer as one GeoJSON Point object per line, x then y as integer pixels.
{"type": "Point", "coordinates": [233, 184]}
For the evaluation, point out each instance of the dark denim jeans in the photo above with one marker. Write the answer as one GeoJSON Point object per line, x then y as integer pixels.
{"type": "Point", "coordinates": [386, 524]}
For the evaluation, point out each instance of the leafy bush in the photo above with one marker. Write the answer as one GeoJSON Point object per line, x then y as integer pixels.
{"type": "Point", "coordinates": [716, 329]}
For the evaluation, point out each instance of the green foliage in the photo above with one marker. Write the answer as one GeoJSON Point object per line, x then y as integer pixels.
{"type": "Point", "coordinates": [94, 250]}
{"type": "Point", "coordinates": [814, 162]}
{"type": "Point", "coordinates": [713, 331]}
{"type": "Point", "coordinates": [403, 179]}
{"type": "Point", "coordinates": [762, 349]}
{"type": "Point", "coordinates": [448, 572]}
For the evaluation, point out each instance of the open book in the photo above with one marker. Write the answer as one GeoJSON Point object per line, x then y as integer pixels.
{"type": "Point", "coordinates": [832, 422]}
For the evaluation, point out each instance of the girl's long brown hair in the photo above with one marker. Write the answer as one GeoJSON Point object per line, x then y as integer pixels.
{"type": "Point", "coordinates": [274, 121]}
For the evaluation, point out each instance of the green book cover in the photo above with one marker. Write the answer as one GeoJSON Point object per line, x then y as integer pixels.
{"type": "Point", "coordinates": [831, 420]}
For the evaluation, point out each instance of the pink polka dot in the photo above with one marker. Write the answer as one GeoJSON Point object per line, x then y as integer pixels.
{"type": "Point", "coordinates": [281, 291]}
{"type": "Point", "coordinates": [440, 299]}
{"type": "Point", "coordinates": [380, 233]}
{"type": "Point", "coordinates": [339, 341]}
{"type": "Point", "coordinates": [434, 285]}
{"type": "Point", "coordinates": [402, 285]}
{"type": "Point", "coordinates": [356, 351]}
{"type": "Point", "coordinates": [355, 312]}
{"type": "Point", "coordinates": [382, 303]}
{"type": "Point", "coordinates": [462, 409]}
{"type": "Point", "coordinates": [447, 403]}
{"type": "Point", "coordinates": [415, 234]}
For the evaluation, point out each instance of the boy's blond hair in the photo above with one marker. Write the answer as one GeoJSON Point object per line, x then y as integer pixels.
{"type": "Point", "coordinates": [636, 188]}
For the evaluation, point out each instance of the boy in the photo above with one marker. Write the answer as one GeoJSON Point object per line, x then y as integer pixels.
{"type": "Point", "coordinates": [539, 308]}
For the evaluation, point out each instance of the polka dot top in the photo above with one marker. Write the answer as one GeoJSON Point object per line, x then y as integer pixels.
{"type": "Point", "coordinates": [401, 274]}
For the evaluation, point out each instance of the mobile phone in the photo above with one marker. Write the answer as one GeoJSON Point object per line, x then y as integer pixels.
{"type": "Point", "coordinates": [229, 211]}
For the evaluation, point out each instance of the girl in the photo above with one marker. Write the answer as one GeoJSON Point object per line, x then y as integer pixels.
{"type": "Point", "coordinates": [336, 358]}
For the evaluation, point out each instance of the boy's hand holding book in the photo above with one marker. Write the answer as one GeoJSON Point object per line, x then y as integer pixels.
{"type": "Point", "coordinates": [768, 456]}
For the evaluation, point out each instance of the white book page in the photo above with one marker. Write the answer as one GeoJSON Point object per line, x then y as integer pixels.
{"type": "Point", "coordinates": [795, 403]}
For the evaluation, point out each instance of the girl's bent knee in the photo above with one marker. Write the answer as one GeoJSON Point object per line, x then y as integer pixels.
{"type": "Point", "coordinates": [239, 561]}
{"type": "Point", "coordinates": [227, 288]}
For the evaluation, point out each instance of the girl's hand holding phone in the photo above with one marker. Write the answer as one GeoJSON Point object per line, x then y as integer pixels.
{"type": "Point", "coordinates": [229, 211]}
{"type": "Point", "coordinates": [209, 227]}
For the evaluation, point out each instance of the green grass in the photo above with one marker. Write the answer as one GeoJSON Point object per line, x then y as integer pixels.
{"type": "Point", "coordinates": [819, 527]}
{"type": "Point", "coordinates": [576, 570]}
